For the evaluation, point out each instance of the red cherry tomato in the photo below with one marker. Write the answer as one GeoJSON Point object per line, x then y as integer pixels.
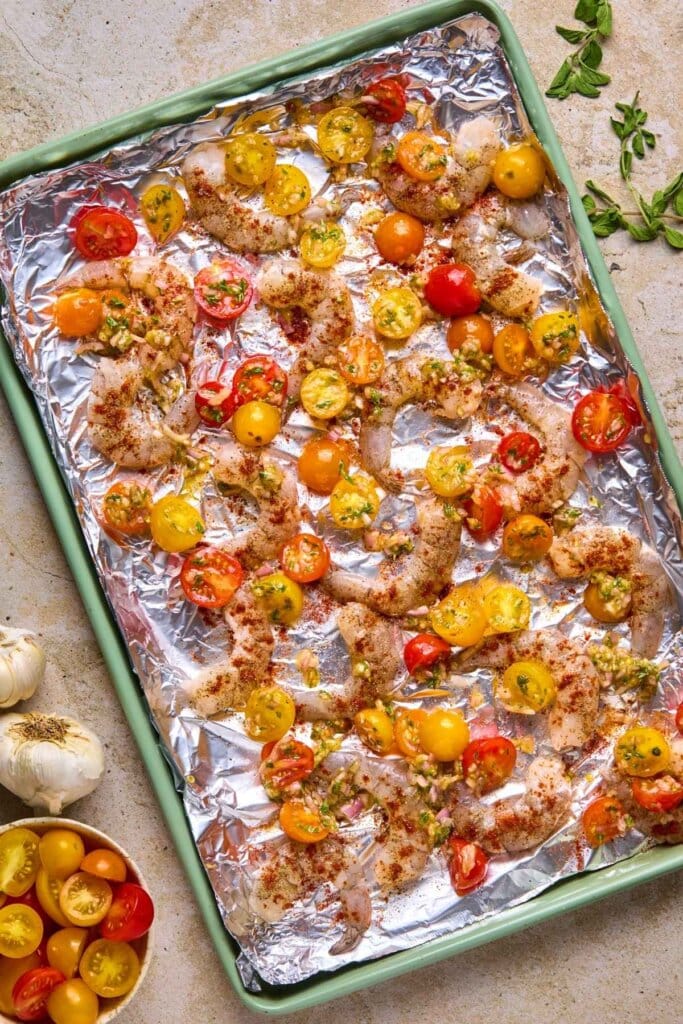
{"type": "Point", "coordinates": [390, 101]}
{"type": "Point", "coordinates": [223, 290]}
{"type": "Point", "coordinates": [451, 288]}
{"type": "Point", "coordinates": [305, 558]}
{"type": "Point", "coordinates": [467, 866]}
{"type": "Point", "coordinates": [215, 403]}
{"type": "Point", "coordinates": [519, 451]}
{"type": "Point", "coordinates": [659, 795]}
{"type": "Point", "coordinates": [488, 763]}
{"type": "Point", "coordinates": [620, 389]}
{"type": "Point", "coordinates": [130, 915]}
{"type": "Point", "coordinates": [31, 991]}
{"type": "Point", "coordinates": [483, 513]}
{"type": "Point", "coordinates": [600, 422]}
{"type": "Point", "coordinates": [259, 379]}
{"type": "Point", "coordinates": [210, 577]}
{"type": "Point", "coordinates": [100, 233]}
{"type": "Point", "coordinates": [424, 650]}
{"type": "Point", "coordinates": [679, 717]}
{"type": "Point", "coordinates": [603, 820]}
{"type": "Point", "coordinates": [284, 762]}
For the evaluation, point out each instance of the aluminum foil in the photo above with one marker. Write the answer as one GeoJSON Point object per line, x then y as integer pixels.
{"type": "Point", "coordinates": [462, 67]}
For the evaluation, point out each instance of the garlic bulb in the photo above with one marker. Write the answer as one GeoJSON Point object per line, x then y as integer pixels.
{"type": "Point", "coordinates": [22, 666]}
{"type": "Point", "coordinates": [48, 760]}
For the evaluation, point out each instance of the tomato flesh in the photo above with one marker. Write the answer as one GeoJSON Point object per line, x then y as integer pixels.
{"type": "Point", "coordinates": [660, 795]}
{"type": "Point", "coordinates": [210, 577]}
{"type": "Point", "coordinates": [621, 390]}
{"type": "Point", "coordinates": [483, 513]}
{"type": "Point", "coordinates": [679, 717]}
{"type": "Point", "coordinates": [215, 403]}
{"type": "Point", "coordinates": [31, 991]}
{"type": "Point", "coordinates": [468, 865]}
{"type": "Point", "coordinates": [519, 451]}
{"type": "Point", "coordinates": [386, 101]}
{"type": "Point", "coordinates": [451, 288]}
{"type": "Point", "coordinates": [302, 823]}
{"type": "Point", "coordinates": [259, 379]}
{"type": "Point", "coordinates": [424, 650]}
{"type": "Point", "coordinates": [488, 763]}
{"type": "Point", "coordinates": [284, 762]}
{"type": "Point", "coordinates": [305, 558]}
{"type": "Point", "coordinates": [126, 508]}
{"type": "Point", "coordinates": [223, 290]}
{"type": "Point", "coordinates": [600, 422]}
{"type": "Point", "coordinates": [603, 820]}
{"type": "Point", "coordinates": [101, 233]}
{"type": "Point", "coordinates": [130, 915]}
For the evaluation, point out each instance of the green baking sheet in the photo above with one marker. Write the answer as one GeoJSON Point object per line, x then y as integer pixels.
{"type": "Point", "coordinates": [566, 895]}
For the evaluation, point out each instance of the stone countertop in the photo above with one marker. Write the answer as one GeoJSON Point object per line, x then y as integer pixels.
{"type": "Point", "coordinates": [66, 64]}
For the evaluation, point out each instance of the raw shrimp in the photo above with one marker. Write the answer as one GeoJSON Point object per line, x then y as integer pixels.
{"type": "Point", "coordinates": [554, 478]}
{"type": "Point", "coordinates": [413, 579]}
{"type": "Point", "coordinates": [273, 487]}
{"type": "Point", "coordinates": [572, 718]}
{"type": "Point", "coordinates": [220, 208]}
{"type": "Point", "coordinates": [518, 823]}
{"type": "Point", "coordinates": [614, 549]}
{"type": "Point", "coordinates": [374, 646]}
{"type": "Point", "coordinates": [475, 241]}
{"type": "Point", "coordinates": [468, 174]}
{"type": "Point", "coordinates": [227, 685]}
{"type": "Point", "coordinates": [452, 386]}
{"type": "Point", "coordinates": [322, 296]}
{"type": "Point", "coordinates": [125, 428]}
{"type": "Point", "coordinates": [166, 310]}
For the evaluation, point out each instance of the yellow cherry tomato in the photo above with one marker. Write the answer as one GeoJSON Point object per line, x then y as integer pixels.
{"type": "Point", "coordinates": [527, 538]}
{"type": "Point", "coordinates": [73, 1002]}
{"type": "Point", "coordinates": [324, 393]}
{"type": "Point", "coordinates": [450, 471]}
{"type": "Point", "coordinates": [397, 313]}
{"type": "Point", "coordinates": [61, 852]}
{"type": "Point", "coordinates": [302, 823]}
{"type": "Point", "coordinates": [512, 350]}
{"type": "Point", "coordinates": [47, 893]}
{"type": "Point", "coordinates": [360, 359]}
{"type": "Point", "coordinates": [354, 502]}
{"type": "Point", "coordinates": [321, 245]}
{"type": "Point", "coordinates": [459, 618]}
{"type": "Point", "coordinates": [105, 864]}
{"type": "Point", "coordinates": [519, 171]}
{"type": "Point", "coordinates": [555, 336]}
{"type": "Point", "coordinates": [287, 191]}
{"type": "Point", "coordinates": [269, 714]}
{"type": "Point", "coordinates": [10, 972]}
{"type": "Point", "coordinates": [175, 524]}
{"type": "Point", "coordinates": [85, 899]}
{"type": "Point", "coordinates": [608, 598]}
{"type": "Point", "coordinates": [249, 159]}
{"type": "Point", "coordinates": [163, 210]}
{"type": "Point", "coordinates": [256, 423]}
{"type": "Point", "coordinates": [641, 751]}
{"type": "Point", "coordinates": [344, 135]}
{"type": "Point", "coordinates": [526, 687]}
{"type": "Point", "coordinates": [110, 969]}
{"type": "Point", "coordinates": [19, 861]}
{"type": "Point", "coordinates": [506, 608]}
{"type": "Point", "coordinates": [444, 734]}
{"type": "Point", "coordinates": [375, 729]}
{"type": "Point", "coordinates": [421, 156]}
{"type": "Point", "coordinates": [21, 930]}
{"type": "Point", "coordinates": [65, 949]}
{"type": "Point", "coordinates": [282, 598]}
{"type": "Point", "coordinates": [78, 313]}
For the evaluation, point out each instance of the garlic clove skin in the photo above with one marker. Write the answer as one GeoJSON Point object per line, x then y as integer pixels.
{"type": "Point", "coordinates": [22, 665]}
{"type": "Point", "coordinates": [48, 761]}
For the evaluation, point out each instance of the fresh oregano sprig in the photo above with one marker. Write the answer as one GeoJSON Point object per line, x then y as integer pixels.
{"type": "Point", "coordinates": [606, 214]}
{"type": "Point", "coordinates": [579, 72]}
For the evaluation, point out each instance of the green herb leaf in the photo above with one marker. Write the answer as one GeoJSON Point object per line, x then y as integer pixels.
{"type": "Point", "coordinates": [678, 204]}
{"type": "Point", "coordinates": [673, 237]}
{"type": "Point", "coordinates": [572, 35]}
{"type": "Point", "coordinates": [578, 72]}
{"type": "Point", "coordinates": [640, 232]}
{"type": "Point", "coordinates": [586, 10]}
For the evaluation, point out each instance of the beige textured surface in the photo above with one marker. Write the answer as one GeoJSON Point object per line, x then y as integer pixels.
{"type": "Point", "coordinates": [65, 65]}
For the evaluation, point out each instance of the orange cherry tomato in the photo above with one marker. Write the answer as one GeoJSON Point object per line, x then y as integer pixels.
{"type": "Point", "coordinates": [467, 866]}
{"type": "Point", "coordinates": [126, 508]}
{"type": "Point", "coordinates": [488, 763]}
{"type": "Point", "coordinates": [78, 313]}
{"type": "Point", "coordinates": [360, 360]}
{"type": "Point", "coordinates": [84, 899]}
{"type": "Point", "coordinates": [399, 237]}
{"type": "Point", "coordinates": [305, 558]}
{"type": "Point", "coordinates": [513, 352]}
{"type": "Point", "coordinates": [65, 949]}
{"type": "Point", "coordinates": [421, 156]}
{"type": "Point", "coordinates": [472, 331]}
{"type": "Point", "coordinates": [302, 823]}
{"type": "Point", "coordinates": [407, 730]}
{"type": "Point", "coordinates": [527, 538]}
{"type": "Point", "coordinates": [105, 864]}
{"type": "Point", "coordinates": [320, 464]}
{"type": "Point", "coordinates": [603, 820]}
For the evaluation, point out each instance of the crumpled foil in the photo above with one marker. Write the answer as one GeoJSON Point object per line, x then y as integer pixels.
{"type": "Point", "coordinates": [462, 67]}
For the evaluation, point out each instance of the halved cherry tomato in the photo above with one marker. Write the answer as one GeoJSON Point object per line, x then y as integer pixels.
{"type": "Point", "coordinates": [519, 451]}
{"type": "Point", "coordinates": [488, 763]}
{"type": "Point", "coordinates": [302, 823]}
{"type": "Point", "coordinates": [210, 577]}
{"type": "Point", "coordinates": [344, 135]}
{"type": "Point", "coordinates": [603, 820]}
{"type": "Point", "coordinates": [223, 290]}
{"type": "Point", "coordinates": [444, 734]}
{"type": "Point", "coordinates": [659, 795]}
{"type": "Point", "coordinates": [512, 350]}
{"type": "Point", "coordinates": [31, 991]}
{"type": "Point", "coordinates": [360, 359]}
{"type": "Point", "coordinates": [105, 864]}
{"type": "Point", "coordinates": [375, 729]}
{"type": "Point", "coordinates": [30, 899]}
{"type": "Point", "coordinates": [642, 751]}
{"type": "Point", "coordinates": [110, 969]}
{"type": "Point", "coordinates": [282, 598]}
{"type": "Point", "coordinates": [600, 422]}
{"type": "Point", "coordinates": [73, 1002]}
{"type": "Point", "coordinates": [287, 191]}
{"type": "Point", "coordinates": [450, 471]}
{"type": "Point", "coordinates": [305, 558]}
{"type": "Point", "coordinates": [397, 313]}
{"type": "Point", "coordinates": [78, 312]}
{"type": "Point", "coordinates": [269, 714]}
{"type": "Point", "coordinates": [85, 899]}
{"type": "Point", "coordinates": [321, 245]}
{"type": "Point", "coordinates": [451, 288]}
{"type": "Point", "coordinates": [259, 378]}
{"type": "Point", "coordinates": [215, 403]}
{"type": "Point", "coordinates": [608, 598]}
{"type": "Point", "coordinates": [284, 762]}
{"type": "Point", "coordinates": [61, 851]}
{"type": "Point", "coordinates": [249, 159]}
{"type": "Point", "coordinates": [65, 949]}
{"type": "Point", "coordinates": [324, 393]}
{"type": "Point", "coordinates": [421, 156]}
{"type": "Point", "coordinates": [507, 608]}
{"type": "Point", "coordinates": [19, 861]}
{"type": "Point", "coordinates": [472, 331]}
{"type": "Point", "coordinates": [102, 233]}
{"type": "Point", "coordinates": [399, 237]}
{"type": "Point", "coordinates": [527, 538]}
{"type": "Point", "coordinates": [130, 915]}
{"type": "Point", "coordinates": [679, 717]}
{"type": "Point", "coordinates": [424, 650]}
{"type": "Point", "coordinates": [256, 423]}
{"type": "Point", "coordinates": [621, 390]}
{"type": "Point", "coordinates": [176, 525]}
{"type": "Point", "coordinates": [388, 100]}
{"type": "Point", "coordinates": [519, 171]}
{"type": "Point", "coordinates": [21, 931]}
{"type": "Point", "coordinates": [126, 508]}
{"type": "Point", "coordinates": [354, 502]}
{"type": "Point", "coordinates": [555, 336]}
{"type": "Point", "coordinates": [526, 688]}
{"type": "Point", "coordinates": [407, 730]}
{"type": "Point", "coordinates": [10, 972]}
{"type": "Point", "coordinates": [163, 210]}
{"type": "Point", "coordinates": [483, 512]}
{"type": "Point", "coordinates": [321, 463]}
{"type": "Point", "coordinates": [467, 865]}
{"type": "Point", "coordinates": [47, 893]}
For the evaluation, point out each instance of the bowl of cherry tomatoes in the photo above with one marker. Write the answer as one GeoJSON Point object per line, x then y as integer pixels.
{"type": "Point", "coordinates": [75, 923]}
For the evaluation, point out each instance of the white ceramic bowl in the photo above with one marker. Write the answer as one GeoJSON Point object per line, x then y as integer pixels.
{"type": "Point", "coordinates": [94, 839]}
